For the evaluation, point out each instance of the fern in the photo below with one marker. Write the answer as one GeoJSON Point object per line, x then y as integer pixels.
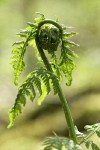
{"type": "Point", "coordinates": [47, 36]}
{"type": "Point", "coordinates": [59, 143]}
{"type": "Point", "coordinates": [17, 60]}
{"type": "Point", "coordinates": [40, 79]}
{"type": "Point", "coordinates": [93, 146]}
{"type": "Point", "coordinates": [93, 129]}
{"type": "Point", "coordinates": [67, 65]}
{"type": "Point", "coordinates": [18, 55]}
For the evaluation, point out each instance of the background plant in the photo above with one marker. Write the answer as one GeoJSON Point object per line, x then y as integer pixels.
{"type": "Point", "coordinates": [44, 78]}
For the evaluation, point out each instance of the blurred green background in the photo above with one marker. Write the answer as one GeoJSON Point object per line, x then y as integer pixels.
{"type": "Point", "coordinates": [37, 122]}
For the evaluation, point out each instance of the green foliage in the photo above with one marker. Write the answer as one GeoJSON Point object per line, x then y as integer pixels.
{"type": "Point", "coordinates": [51, 37]}
{"type": "Point", "coordinates": [59, 143]}
{"type": "Point", "coordinates": [89, 144]}
{"type": "Point", "coordinates": [48, 36]}
{"type": "Point", "coordinates": [93, 129]}
{"type": "Point", "coordinates": [19, 51]}
{"type": "Point", "coordinates": [67, 64]}
{"type": "Point", "coordinates": [37, 80]}
{"type": "Point", "coordinates": [17, 60]}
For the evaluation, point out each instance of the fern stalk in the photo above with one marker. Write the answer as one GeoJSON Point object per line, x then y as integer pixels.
{"type": "Point", "coordinates": [47, 36]}
{"type": "Point", "coordinates": [68, 116]}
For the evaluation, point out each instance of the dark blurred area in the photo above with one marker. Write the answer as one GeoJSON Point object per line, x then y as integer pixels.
{"type": "Point", "coordinates": [37, 122]}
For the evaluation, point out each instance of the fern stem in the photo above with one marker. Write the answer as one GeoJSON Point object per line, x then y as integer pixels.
{"type": "Point", "coordinates": [68, 115]}
{"type": "Point", "coordinates": [64, 103]}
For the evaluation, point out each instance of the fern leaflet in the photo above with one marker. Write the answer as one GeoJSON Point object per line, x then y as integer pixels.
{"type": "Point", "coordinates": [95, 129]}
{"type": "Point", "coordinates": [59, 143]}
{"type": "Point", "coordinates": [19, 51]}
{"type": "Point", "coordinates": [38, 78]}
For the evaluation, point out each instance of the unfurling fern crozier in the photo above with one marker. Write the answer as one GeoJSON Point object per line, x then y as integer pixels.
{"type": "Point", "coordinates": [50, 37]}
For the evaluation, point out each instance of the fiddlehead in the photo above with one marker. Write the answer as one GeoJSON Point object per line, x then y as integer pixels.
{"type": "Point", "coordinates": [50, 37]}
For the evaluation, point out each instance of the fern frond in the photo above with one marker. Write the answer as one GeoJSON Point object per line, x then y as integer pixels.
{"type": "Point", "coordinates": [59, 143]}
{"type": "Point", "coordinates": [47, 35]}
{"type": "Point", "coordinates": [26, 89]}
{"type": "Point", "coordinates": [19, 51]}
{"type": "Point", "coordinates": [67, 64]}
{"type": "Point", "coordinates": [37, 79]}
{"type": "Point", "coordinates": [95, 129]}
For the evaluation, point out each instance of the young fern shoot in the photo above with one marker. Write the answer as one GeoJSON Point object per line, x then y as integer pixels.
{"type": "Point", "coordinates": [50, 37]}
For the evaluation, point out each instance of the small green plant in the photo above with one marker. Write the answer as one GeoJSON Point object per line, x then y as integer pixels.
{"type": "Point", "coordinates": [48, 37]}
